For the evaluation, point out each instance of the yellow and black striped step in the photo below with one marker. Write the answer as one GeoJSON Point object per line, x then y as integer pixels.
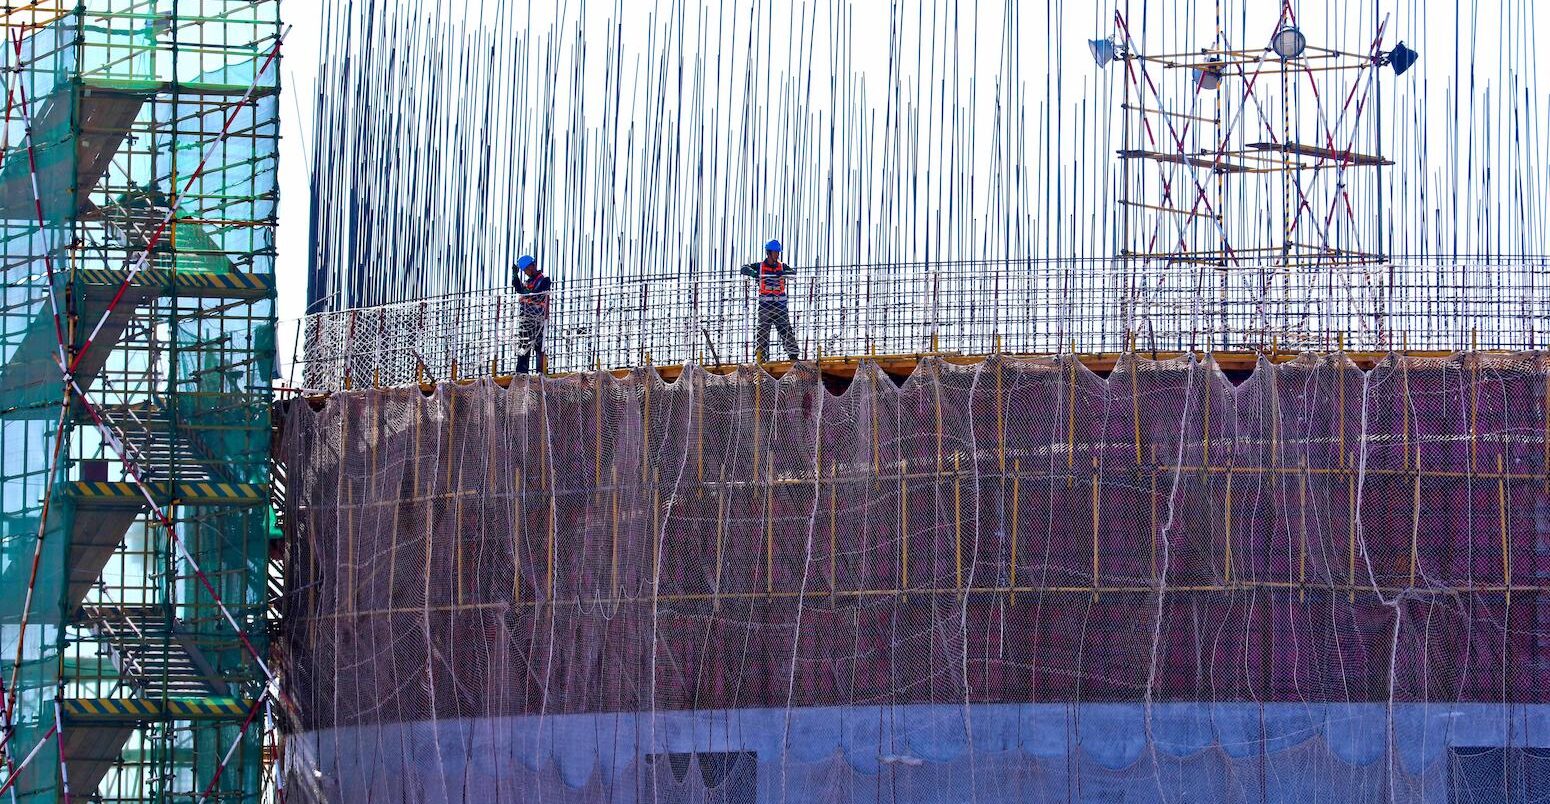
{"type": "Point", "coordinates": [105, 710]}
{"type": "Point", "coordinates": [188, 492]}
{"type": "Point", "coordinates": [103, 283]}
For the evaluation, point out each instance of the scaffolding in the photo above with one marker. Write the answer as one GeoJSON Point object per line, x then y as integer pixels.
{"type": "Point", "coordinates": [971, 308]}
{"type": "Point", "coordinates": [137, 204]}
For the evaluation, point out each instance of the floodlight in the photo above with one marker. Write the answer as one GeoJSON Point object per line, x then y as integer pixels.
{"type": "Point", "coordinates": [1103, 51]}
{"type": "Point", "coordinates": [1401, 58]}
{"type": "Point", "coordinates": [1288, 43]}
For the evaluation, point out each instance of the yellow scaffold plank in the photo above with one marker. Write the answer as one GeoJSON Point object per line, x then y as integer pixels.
{"type": "Point", "coordinates": [190, 492]}
{"type": "Point", "coordinates": [192, 284]}
{"type": "Point", "coordinates": [98, 710]}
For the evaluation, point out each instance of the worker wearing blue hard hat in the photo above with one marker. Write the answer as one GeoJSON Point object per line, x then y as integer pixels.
{"type": "Point", "coordinates": [533, 290]}
{"type": "Point", "coordinates": [771, 274]}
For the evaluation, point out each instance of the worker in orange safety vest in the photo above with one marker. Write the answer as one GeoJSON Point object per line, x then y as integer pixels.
{"type": "Point", "coordinates": [771, 274]}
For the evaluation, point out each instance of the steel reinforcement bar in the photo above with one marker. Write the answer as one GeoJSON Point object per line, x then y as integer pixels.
{"type": "Point", "coordinates": [1031, 307]}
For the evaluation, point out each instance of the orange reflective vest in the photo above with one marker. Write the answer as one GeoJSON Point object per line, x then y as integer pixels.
{"type": "Point", "coordinates": [772, 281]}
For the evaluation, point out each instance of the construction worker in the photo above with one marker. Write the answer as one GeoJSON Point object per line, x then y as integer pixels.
{"type": "Point", "coordinates": [533, 289]}
{"type": "Point", "coordinates": [771, 274]}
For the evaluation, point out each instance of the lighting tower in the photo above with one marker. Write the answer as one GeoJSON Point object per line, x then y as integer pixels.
{"type": "Point", "coordinates": [1260, 160]}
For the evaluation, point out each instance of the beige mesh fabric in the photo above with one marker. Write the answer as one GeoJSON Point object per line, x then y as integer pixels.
{"type": "Point", "coordinates": [1005, 580]}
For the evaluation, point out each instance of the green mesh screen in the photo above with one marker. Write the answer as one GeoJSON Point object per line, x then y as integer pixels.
{"type": "Point", "coordinates": [153, 153]}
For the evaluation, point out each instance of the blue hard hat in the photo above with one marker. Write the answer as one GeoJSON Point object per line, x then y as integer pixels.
{"type": "Point", "coordinates": [773, 245]}
{"type": "Point", "coordinates": [525, 261]}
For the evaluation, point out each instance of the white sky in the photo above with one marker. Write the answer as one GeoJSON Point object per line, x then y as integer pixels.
{"type": "Point", "coordinates": [299, 73]}
{"type": "Point", "coordinates": [1053, 34]}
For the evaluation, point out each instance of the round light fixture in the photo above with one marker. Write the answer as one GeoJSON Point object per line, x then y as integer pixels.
{"type": "Point", "coordinates": [1210, 77]}
{"type": "Point", "coordinates": [1288, 43]}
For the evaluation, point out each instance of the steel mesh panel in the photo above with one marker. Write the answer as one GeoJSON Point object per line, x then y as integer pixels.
{"type": "Point", "coordinates": [1035, 307]}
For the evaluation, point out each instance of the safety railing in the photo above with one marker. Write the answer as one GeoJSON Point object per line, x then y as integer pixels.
{"type": "Point", "coordinates": [1024, 307]}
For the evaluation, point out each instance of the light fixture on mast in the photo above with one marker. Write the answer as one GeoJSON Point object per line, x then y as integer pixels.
{"type": "Point", "coordinates": [1288, 43]}
{"type": "Point", "coordinates": [1401, 58]}
{"type": "Point", "coordinates": [1104, 51]}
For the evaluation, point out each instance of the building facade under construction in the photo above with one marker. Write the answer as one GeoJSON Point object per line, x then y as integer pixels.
{"type": "Point", "coordinates": [1207, 459]}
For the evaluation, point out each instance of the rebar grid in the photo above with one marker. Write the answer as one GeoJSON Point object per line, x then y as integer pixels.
{"type": "Point", "coordinates": [1032, 307]}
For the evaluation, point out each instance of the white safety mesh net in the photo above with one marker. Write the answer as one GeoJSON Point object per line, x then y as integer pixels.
{"type": "Point", "coordinates": [1006, 580]}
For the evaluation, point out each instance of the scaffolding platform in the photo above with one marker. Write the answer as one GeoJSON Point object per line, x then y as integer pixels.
{"type": "Point", "coordinates": [97, 729]}
{"type": "Point", "coordinates": [93, 495]}
{"type": "Point", "coordinates": [153, 149]}
{"type": "Point", "coordinates": [104, 513]}
{"type": "Point", "coordinates": [139, 710]}
{"type": "Point", "coordinates": [29, 380]}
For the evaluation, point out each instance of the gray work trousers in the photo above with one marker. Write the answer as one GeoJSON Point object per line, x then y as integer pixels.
{"type": "Point", "coordinates": [774, 314]}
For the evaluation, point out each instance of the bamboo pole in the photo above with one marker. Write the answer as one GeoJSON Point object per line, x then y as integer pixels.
{"type": "Point", "coordinates": [1350, 505]}
{"type": "Point", "coordinates": [1227, 531]}
{"type": "Point", "coordinates": [491, 451]}
{"type": "Point", "coordinates": [834, 583]}
{"type": "Point", "coordinates": [517, 512]}
{"type": "Point", "coordinates": [937, 386]}
{"type": "Point", "coordinates": [597, 436]}
{"type": "Point", "coordinates": [1000, 412]}
{"type": "Point", "coordinates": [1340, 459]}
{"type": "Point", "coordinates": [1012, 576]}
{"type": "Point", "coordinates": [1071, 416]}
{"type": "Point", "coordinates": [1544, 466]}
{"type": "Point", "coordinates": [944, 592]}
{"type": "Point", "coordinates": [1237, 469]}
{"type": "Point", "coordinates": [1205, 426]}
{"type": "Point", "coordinates": [1404, 414]}
{"type": "Point", "coordinates": [551, 538]}
{"type": "Point", "coordinates": [769, 525]}
{"type": "Point", "coordinates": [1474, 411]}
{"type": "Point", "coordinates": [1275, 417]}
{"type": "Point", "coordinates": [1302, 529]}
{"type": "Point", "coordinates": [1094, 495]}
{"type": "Point", "coordinates": [613, 541]}
{"type": "Point", "coordinates": [1135, 401]}
{"type": "Point", "coordinates": [645, 424]}
{"type": "Point", "coordinates": [1153, 506]}
{"type": "Point", "coordinates": [457, 503]}
{"type": "Point", "coordinates": [1501, 508]}
{"type": "Point", "coordinates": [349, 544]}
{"type": "Point", "coordinates": [349, 505]}
{"type": "Point", "coordinates": [722, 504]}
{"type": "Point", "coordinates": [957, 524]}
{"type": "Point", "coordinates": [656, 533]}
{"type": "Point", "coordinates": [1415, 526]}
{"type": "Point", "coordinates": [699, 427]}
{"type": "Point", "coordinates": [877, 448]}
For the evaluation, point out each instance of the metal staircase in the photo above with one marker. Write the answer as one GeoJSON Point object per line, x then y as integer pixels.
{"type": "Point", "coordinates": [160, 448]}
{"type": "Point", "coordinates": [156, 656]}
